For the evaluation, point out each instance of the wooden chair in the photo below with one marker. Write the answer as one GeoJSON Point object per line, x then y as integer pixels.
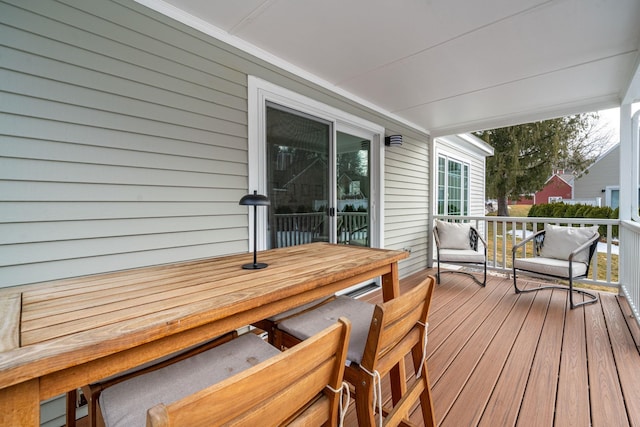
{"type": "Point", "coordinates": [299, 386]}
{"type": "Point", "coordinates": [92, 392]}
{"type": "Point", "coordinates": [457, 243]}
{"type": "Point", "coordinates": [560, 253]}
{"type": "Point", "coordinates": [381, 336]}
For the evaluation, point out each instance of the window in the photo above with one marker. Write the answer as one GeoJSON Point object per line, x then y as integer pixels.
{"type": "Point", "coordinates": [453, 187]}
{"type": "Point", "coordinates": [612, 194]}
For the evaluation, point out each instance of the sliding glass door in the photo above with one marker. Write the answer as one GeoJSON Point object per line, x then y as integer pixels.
{"type": "Point", "coordinates": [298, 177]}
{"type": "Point", "coordinates": [318, 180]}
{"type": "Point", "coordinates": [353, 189]}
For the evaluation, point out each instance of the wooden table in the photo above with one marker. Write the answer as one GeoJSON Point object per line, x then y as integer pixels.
{"type": "Point", "coordinates": [58, 336]}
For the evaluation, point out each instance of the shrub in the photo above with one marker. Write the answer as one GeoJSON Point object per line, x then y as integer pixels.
{"type": "Point", "coordinates": [560, 210]}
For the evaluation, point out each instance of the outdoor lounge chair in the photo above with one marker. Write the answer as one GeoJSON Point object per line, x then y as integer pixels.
{"type": "Point", "coordinates": [457, 243]}
{"type": "Point", "coordinates": [560, 253]}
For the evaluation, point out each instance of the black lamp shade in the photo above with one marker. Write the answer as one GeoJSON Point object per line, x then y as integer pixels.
{"type": "Point", "coordinates": [254, 200]}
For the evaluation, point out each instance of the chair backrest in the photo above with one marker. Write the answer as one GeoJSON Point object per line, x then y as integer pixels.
{"type": "Point", "coordinates": [397, 326]}
{"type": "Point", "coordinates": [287, 387]}
{"type": "Point", "coordinates": [539, 243]}
{"type": "Point", "coordinates": [455, 235]}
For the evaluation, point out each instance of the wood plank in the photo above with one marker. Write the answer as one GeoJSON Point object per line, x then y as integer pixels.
{"type": "Point", "coordinates": [634, 327]}
{"type": "Point", "coordinates": [448, 338]}
{"type": "Point", "coordinates": [572, 407]}
{"type": "Point", "coordinates": [607, 401]}
{"type": "Point", "coordinates": [11, 308]}
{"type": "Point", "coordinates": [490, 353]}
{"type": "Point", "coordinates": [540, 396]}
{"type": "Point", "coordinates": [626, 356]}
{"type": "Point", "coordinates": [511, 386]}
{"type": "Point", "coordinates": [455, 381]}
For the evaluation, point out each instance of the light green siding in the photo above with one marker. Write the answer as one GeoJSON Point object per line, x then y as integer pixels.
{"type": "Point", "coordinates": [407, 206]}
{"type": "Point", "coordinates": [124, 142]}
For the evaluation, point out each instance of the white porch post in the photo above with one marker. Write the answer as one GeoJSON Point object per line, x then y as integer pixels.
{"type": "Point", "coordinates": [627, 161]}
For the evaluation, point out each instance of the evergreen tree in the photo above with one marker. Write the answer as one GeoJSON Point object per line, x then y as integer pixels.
{"type": "Point", "coordinates": [526, 155]}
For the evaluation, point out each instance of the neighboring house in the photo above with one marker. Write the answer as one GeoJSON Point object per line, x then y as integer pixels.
{"type": "Point", "coordinates": [601, 180]}
{"type": "Point", "coordinates": [557, 188]}
{"type": "Point", "coordinates": [459, 175]}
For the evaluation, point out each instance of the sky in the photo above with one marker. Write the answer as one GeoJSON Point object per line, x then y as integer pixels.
{"type": "Point", "coordinates": [611, 119]}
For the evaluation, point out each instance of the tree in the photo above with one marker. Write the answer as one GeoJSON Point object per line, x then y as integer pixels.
{"type": "Point", "coordinates": [526, 155]}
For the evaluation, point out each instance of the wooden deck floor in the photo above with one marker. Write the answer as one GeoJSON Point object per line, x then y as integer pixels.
{"type": "Point", "coordinates": [500, 359]}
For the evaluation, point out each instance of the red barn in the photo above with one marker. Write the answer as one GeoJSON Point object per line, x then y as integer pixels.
{"type": "Point", "coordinates": [557, 188]}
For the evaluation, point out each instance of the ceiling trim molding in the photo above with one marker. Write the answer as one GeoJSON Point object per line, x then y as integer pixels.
{"type": "Point", "coordinates": [209, 29]}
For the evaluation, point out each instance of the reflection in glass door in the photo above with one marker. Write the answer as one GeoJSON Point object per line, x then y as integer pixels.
{"type": "Point", "coordinates": [298, 149]}
{"type": "Point", "coordinates": [353, 190]}
{"type": "Point", "coordinates": [319, 191]}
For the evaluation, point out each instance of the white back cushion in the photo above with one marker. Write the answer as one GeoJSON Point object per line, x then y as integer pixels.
{"type": "Point", "coordinates": [453, 235]}
{"type": "Point", "coordinates": [559, 242]}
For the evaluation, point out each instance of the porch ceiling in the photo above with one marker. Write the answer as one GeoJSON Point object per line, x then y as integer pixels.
{"type": "Point", "coordinates": [446, 66]}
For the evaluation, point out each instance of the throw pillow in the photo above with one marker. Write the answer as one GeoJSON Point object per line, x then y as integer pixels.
{"type": "Point", "coordinates": [453, 235]}
{"type": "Point", "coordinates": [560, 241]}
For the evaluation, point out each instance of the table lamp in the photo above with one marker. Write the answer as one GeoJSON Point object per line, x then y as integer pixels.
{"type": "Point", "coordinates": [254, 200]}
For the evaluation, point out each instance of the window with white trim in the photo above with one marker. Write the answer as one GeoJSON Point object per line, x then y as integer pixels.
{"type": "Point", "coordinates": [453, 186]}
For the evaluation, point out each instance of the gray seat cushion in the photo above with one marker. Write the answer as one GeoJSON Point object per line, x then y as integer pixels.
{"type": "Point", "coordinates": [126, 404]}
{"type": "Point", "coordinates": [312, 322]}
{"type": "Point", "coordinates": [461, 255]}
{"type": "Point", "coordinates": [278, 317]}
{"type": "Point", "coordinates": [550, 266]}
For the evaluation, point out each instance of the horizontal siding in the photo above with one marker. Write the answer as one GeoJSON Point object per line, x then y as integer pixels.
{"type": "Point", "coordinates": [605, 172]}
{"type": "Point", "coordinates": [123, 142]}
{"type": "Point", "coordinates": [406, 197]}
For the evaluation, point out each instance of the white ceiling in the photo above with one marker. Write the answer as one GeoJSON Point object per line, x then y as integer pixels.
{"type": "Point", "coordinates": [445, 66]}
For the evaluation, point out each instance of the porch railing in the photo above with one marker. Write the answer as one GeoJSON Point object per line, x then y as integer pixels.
{"type": "Point", "coordinates": [616, 265]}
{"type": "Point", "coordinates": [300, 228]}
{"type": "Point", "coordinates": [630, 265]}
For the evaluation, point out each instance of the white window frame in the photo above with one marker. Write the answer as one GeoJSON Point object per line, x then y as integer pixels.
{"type": "Point", "coordinates": [466, 179]}
{"type": "Point", "coordinates": [259, 93]}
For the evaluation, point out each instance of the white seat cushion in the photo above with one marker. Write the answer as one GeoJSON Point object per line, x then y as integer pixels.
{"type": "Point", "coordinates": [125, 404]}
{"type": "Point", "coordinates": [312, 322]}
{"type": "Point", "coordinates": [550, 266]}
{"type": "Point", "coordinates": [461, 255]}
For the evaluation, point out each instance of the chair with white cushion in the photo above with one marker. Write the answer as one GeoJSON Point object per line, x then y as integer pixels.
{"type": "Point", "coordinates": [381, 336]}
{"type": "Point", "coordinates": [560, 253]}
{"type": "Point", "coordinates": [457, 243]}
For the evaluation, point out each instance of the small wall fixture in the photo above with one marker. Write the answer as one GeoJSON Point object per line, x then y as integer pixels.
{"type": "Point", "coordinates": [254, 200]}
{"type": "Point", "coordinates": [393, 140]}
